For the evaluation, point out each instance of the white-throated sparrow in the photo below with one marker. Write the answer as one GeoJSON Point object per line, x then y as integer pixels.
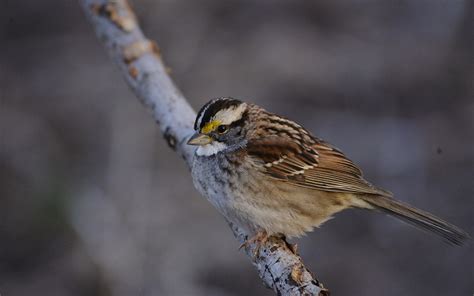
{"type": "Point", "coordinates": [269, 175]}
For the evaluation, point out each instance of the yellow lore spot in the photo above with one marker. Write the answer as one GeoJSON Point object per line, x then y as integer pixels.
{"type": "Point", "coordinates": [210, 126]}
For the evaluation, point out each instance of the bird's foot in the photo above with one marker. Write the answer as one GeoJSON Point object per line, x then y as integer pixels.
{"type": "Point", "coordinates": [292, 247]}
{"type": "Point", "coordinates": [259, 239]}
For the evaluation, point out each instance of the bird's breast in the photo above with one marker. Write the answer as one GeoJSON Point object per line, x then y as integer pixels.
{"type": "Point", "coordinates": [219, 179]}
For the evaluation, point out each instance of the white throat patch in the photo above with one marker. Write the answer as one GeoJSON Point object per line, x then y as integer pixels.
{"type": "Point", "coordinates": [210, 149]}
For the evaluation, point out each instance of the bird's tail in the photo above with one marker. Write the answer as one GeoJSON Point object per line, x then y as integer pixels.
{"type": "Point", "coordinates": [417, 217]}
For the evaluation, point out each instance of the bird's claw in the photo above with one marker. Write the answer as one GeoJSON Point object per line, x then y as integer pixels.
{"type": "Point", "coordinates": [259, 239]}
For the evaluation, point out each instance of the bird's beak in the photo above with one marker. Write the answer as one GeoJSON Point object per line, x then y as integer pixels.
{"type": "Point", "coordinates": [199, 139]}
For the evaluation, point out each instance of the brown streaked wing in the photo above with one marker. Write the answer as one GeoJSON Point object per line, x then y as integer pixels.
{"type": "Point", "coordinates": [315, 165]}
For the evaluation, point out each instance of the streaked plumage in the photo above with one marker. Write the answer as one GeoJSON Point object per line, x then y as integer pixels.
{"type": "Point", "coordinates": [267, 173]}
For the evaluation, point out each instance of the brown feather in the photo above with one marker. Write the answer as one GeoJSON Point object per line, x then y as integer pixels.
{"type": "Point", "coordinates": [314, 164]}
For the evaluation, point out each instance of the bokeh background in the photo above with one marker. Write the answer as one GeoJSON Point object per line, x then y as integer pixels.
{"type": "Point", "coordinates": [92, 201]}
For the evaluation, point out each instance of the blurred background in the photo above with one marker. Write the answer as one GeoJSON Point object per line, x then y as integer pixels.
{"type": "Point", "coordinates": [93, 202]}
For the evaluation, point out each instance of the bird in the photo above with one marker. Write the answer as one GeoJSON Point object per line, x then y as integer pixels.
{"type": "Point", "coordinates": [270, 176]}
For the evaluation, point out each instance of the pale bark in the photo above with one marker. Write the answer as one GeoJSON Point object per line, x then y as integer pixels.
{"type": "Point", "coordinates": [139, 61]}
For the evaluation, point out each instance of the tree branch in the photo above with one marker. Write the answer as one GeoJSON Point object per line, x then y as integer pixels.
{"type": "Point", "coordinates": [139, 61]}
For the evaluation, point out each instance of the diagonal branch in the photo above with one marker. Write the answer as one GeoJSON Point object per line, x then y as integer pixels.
{"type": "Point", "coordinates": [139, 61]}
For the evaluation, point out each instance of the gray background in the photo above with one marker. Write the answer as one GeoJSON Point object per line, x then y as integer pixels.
{"type": "Point", "coordinates": [94, 203]}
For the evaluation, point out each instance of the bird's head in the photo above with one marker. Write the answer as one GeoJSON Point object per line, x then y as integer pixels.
{"type": "Point", "coordinates": [220, 126]}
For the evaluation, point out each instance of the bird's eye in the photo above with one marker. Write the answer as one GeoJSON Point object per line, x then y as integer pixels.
{"type": "Point", "coordinates": [221, 129]}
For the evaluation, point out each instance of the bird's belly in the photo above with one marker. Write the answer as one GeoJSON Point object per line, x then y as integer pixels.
{"type": "Point", "coordinates": [260, 203]}
{"type": "Point", "coordinates": [291, 213]}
